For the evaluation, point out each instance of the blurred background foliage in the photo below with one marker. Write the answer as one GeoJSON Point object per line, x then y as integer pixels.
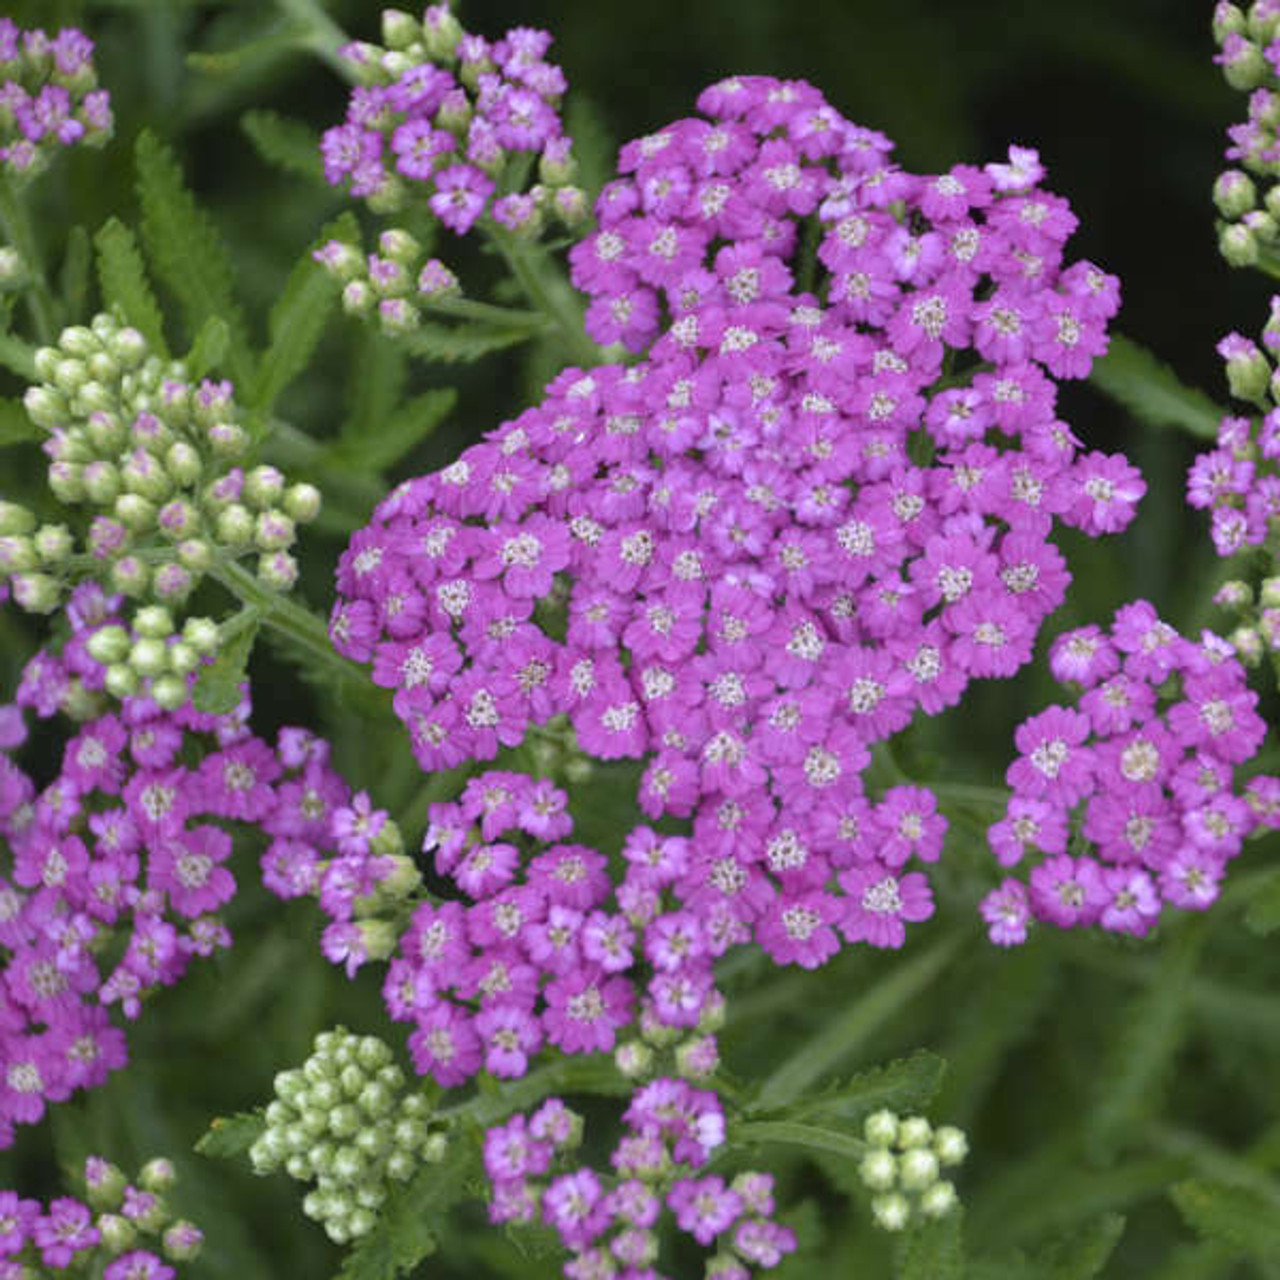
{"type": "Point", "coordinates": [1093, 1073]}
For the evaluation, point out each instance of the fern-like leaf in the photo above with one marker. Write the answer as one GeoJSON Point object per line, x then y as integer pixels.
{"type": "Point", "coordinates": [122, 277]}
{"type": "Point", "coordinates": [1152, 392]}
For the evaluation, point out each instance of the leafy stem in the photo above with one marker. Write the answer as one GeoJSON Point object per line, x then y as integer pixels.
{"type": "Point", "coordinates": [16, 223]}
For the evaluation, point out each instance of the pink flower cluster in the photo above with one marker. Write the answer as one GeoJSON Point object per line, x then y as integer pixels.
{"type": "Point", "coordinates": [550, 951]}
{"type": "Point", "coordinates": [1238, 480]}
{"type": "Point", "coordinates": [447, 117]}
{"type": "Point", "coordinates": [609, 1225]}
{"type": "Point", "coordinates": [1143, 769]}
{"type": "Point", "coordinates": [129, 845]}
{"type": "Point", "coordinates": [47, 94]}
{"type": "Point", "coordinates": [803, 517]}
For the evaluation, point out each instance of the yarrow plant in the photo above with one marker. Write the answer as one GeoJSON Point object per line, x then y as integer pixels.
{"type": "Point", "coordinates": [650, 695]}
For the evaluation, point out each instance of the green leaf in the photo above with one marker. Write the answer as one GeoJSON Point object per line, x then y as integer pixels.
{"type": "Point", "coordinates": [405, 1231]}
{"type": "Point", "coordinates": [1263, 913]}
{"type": "Point", "coordinates": [122, 277]}
{"type": "Point", "coordinates": [209, 349]}
{"type": "Point", "coordinates": [791, 1133]}
{"type": "Point", "coordinates": [1243, 1219]}
{"type": "Point", "coordinates": [17, 356]}
{"type": "Point", "coordinates": [1082, 1254]}
{"type": "Point", "coordinates": [934, 1250]}
{"type": "Point", "coordinates": [845, 1032]}
{"type": "Point", "coordinates": [376, 382]}
{"type": "Point", "coordinates": [288, 144]}
{"type": "Point", "coordinates": [230, 1136]}
{"type": "Point", "coordinates": [461, 344]}
{"type": "Point", "coordinates": [1152, 392]}
{"type": "Point", "coordinates": [909, 1084]}
{"type": "Point", "coordinates": [298, 319]}
{"type": "Point", "coordinates": [74, 280]}
{"type": "Point", "coordinates": [217, 690]}
{"type": "Point", "coordinates": [594, 146]}
{"type": "Point", "coordinates": [15, 426]}
{"type": "Point", "coordinates": [395, 436]}
{"type": "Point", "coordinates": [186, 250]}
{"type": "Point", "coordinates": [1141, 1054]}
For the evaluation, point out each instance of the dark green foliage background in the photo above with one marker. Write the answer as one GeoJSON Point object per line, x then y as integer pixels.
{"type": "Point", "coordinates": [1093, 1074]}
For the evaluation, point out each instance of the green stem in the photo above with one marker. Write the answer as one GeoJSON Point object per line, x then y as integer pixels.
{"type": "Point", "coordinates": [486, 312]}
{"type": "Point", "coordinates": [302, 628]}
{"type": "Point", "coordinates": [552, 297]}
{"type": "Point", "coordinates": [794, 1134]}
{"type": "Point", "coordinates": [21, 235]}
{"type": "Point", "coordinates": [322, 36]}
{"type": "Point", "coordinates": [295, 450]}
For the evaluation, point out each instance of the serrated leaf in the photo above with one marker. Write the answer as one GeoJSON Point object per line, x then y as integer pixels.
{"type": "Point", "coordinates": [461, 344]}
{"type": "Point", "coordinates": [406, 1226]}
{"type": "Point", "coordinates": [209, 349]}
{"type": "Point", "coordinates": [15, 426]}
{"type": "Point", "coordinates": [74, 280]}
{"type": "Point", "coordinates": [1263, 913]}
{"type": "Point", "coordinates": [934, 1250]}
{"type": "Point", "coordinates": [793, 1133]}
{"type": "Point", "coordinates": [375, 383]}
{"type": "Point", "coordinates": [395, 436]}
{"type": "Point", "coordinates": [909, 1084]}
{"type": "Point", "coordinates": [1142, 1053]}
{"type": "Point", "coordinates": [1152, 392]}
{"type": "Point", "coordinates": [17, 356]}
{"type": "Point", "coordinates": [288, 144]}
{"type": "Point", "coordinates": [217, 689]}
{"type": "Point", "coordinates": [230, 1136]}
{"type": "Point", "coordinates": [1082, 1254]}
{"type": "Point", "coordinates": [1247, 1221]}
{"type": "Point", "coordinates": [594, 146]}
{"type": "Point", "coordinates": [298, 320]}
{"type": "Point", "coordinates": [186, 250]}
{"type": "Point", "coordinates": [122, 278]}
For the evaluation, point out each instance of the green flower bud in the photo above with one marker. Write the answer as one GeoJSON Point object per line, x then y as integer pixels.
{"type": "Point", "coordinates": [416, 1106]}
{"type": "Point", "coordinates": [128, 346]}
{"type": "Point", "coordinates": [69, 375]}
{"type": "Point", "coordinates": [274, 531]}
{"type": "Point", "coordinates": [350, 1165]}
{"type": "Point", "coordinates": [1237, 245]}
{"type": "Point", "coordinates": [880, 1128]}
{"type": "Point", "coordinates": [918, 1169]}
{"type": "Point", "coordinates": [121, 681]}
{"type": "Point", "coordinates": [397, 245]}
{"type": "Point", "coordinates": [194, 554]}
{"type": "Point", "coordinates": [35, 592]}
{"type": "Point", "coordinates": [263, 487]}
{"type": "Point", "coordinates": [891, 1212]}
{"type": "Point", "coordinates": [149, 657]}
{"type": "Point", "coordinates": [400, 1166]}
{"type": "Point", "coordinates": [158, 1176]}
{"type": "Point", "coordinates": [118, 1233]}
{"type": "Point", "coordinates": [53, 543]}
{"type": "Point", "coordinates": [135, 512]}
{"type": "Point", "coordinates": [227, 440]}
{"type": "Point", "coordinates": [379, 938]}
{"type": "Point", "coordinates": [302, 502]}
{"type": "Point", "coordinates": [17, 555]}
{"type": "Point", "coordinates": [169, 693]}
{"type": "Point", "coordinates": [1262, 225]}
{"type": "Point", "coordinates": [409, 1134]}
{"type": "Point", "coordinates": [108, 644]}
{"type": "Point", "coordinates": [15, 519]}
{"type": "Point", "coordinates": [358, 298]}
{"type": "Point", "coordinates": [938, 1200]}
{"type": "Point", "coordinates": [1247, 642]}
{"type": "Point", "coordinates": [13, 271]}
{"type": "Point", "coordinates": [277, 571]}
{"type": "Point", "coordinates": [341, 260]}
{"type": "Point", "coordinates": [914, 1131]}
{"type": "Point", "coordinates": [298, 1166]}
{"type": "Point", "coordinates": [178, 519]}
{"type": "Point", "coordinates": [46, 361]}
{"type": "Point", "coordinates": [398, 316]}
{"type": "Point", "coordinates": [1228, 20]}
{"type": "Point", "coordinates": [440, 32]}
{"type": "Point", "coordinates": [950, 1144]}
{"type": "Point", "coordinates": [183, 659]}
{"type": "Point", "coordinates": [156, 623]}
{"type": "Point", "coordinates": [373, 1141]}
{"type": "Point", "coordinates": [399, 29]}
{"type": "Point", "coordinates": [106, 433]}
{"type": "Point", "coordinates": [103, 367]}
{"type": "Point", "coordinates": [66, 480]}
{"type": "Point", "coordinates": [45, 407]}
{"type": "Point", "coordinates": [373, 1054]}
{"type": "Point", "coordinates": [1246, 69]}
{"type": "Point", "coordinates": [371, 1196]}
{"type": "Point", "coordinates": [375, 1100]}
{"type": "Point", "coordinates": [351, 1079]}
{"type": "Point", "coordinates": [1234, 194]}
{"type": "Point", "coordinates": [878, 1169]}
{"type": "Point", "coordinates": [183, 464]}
{"type": "Point", "coordinates": [79, 341]}
{"type": "Point", "coordinates": [182, 1241]}
{"type": "Point", "coordinates": [435, 1148]}
{"type": "Point", "coordinates": [391, 1077]}
{"type": "Point", "coordinates": [145, 475]}
{"type": "Point", "coordinates": [234, 526]}
{"type": "Point", "coordinates": [360, 1222]}
{"type": "Point", "coordinates": [101, 483]}
{"type": "Point", "coordinates": [344, 1121]}
{"type": "Point", "coordinates": [202, 635]}
{"type": "Point", "coordinates": [131, 575]}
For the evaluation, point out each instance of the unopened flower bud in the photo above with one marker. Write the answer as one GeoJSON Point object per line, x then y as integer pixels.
{"type": "Point", "coordinates": [156, 623]}
{"type": "Point", "coordinates": [69, 375]}
{"type": "Point", "coordinates": [183, 659]}
{"type": "Point", "coordinates": [278, 571]}
{"type": "Point", "coordinates": [398, 316]}
{"type": "Point", "coordinates": [399, 29]}
{"type": "Point", "coordinates": [878, 1169]}
{"type": "Point", "coordinates": [194, 554]}
{"type": "Point", "coordinates": [13, 271]}
{"type": "Point", "coordinates": [697, 1059]}
{"type": "Point", "coordinates": [135, 512]}
{"type": "Point", "coordinates": [173, 583]}
{"type": "Point", "coordinates": [108, 645]}
{"type": "Point", "coordinates": [399, 246]}
{"type": "Point", "coordinates": [1242, 63]}
{"type": "Point", "coordinates": [441, 31]}
{"type": "Point", "coordinates": [66, 480]}
{"type": "Point", "coordinates": [914, 1131]}
{"type": "Point", "coordinates": [131, 576]}
{"type": "Point", "coordinates": [149, 657]}
{"type": "Point", "coordinates": [1228, 20]}
{"type": "Point", "coordinates": [35, 592]}
{"type": "Point", "coordinates": [880, 1128]}
{"type": "Point", "coordinates": [17, 554]}
{"type": "Point", "coordinates": [117, 1233]}
{"type": "Point", "coordinates": [182, 1241]}
{"type": "Point", "coordinates": [435, 1148]}
{"type": "Point", "coordinates": [53, 543]}
{"type": "Point", "coordinates": [343, 261]}
{"type": "Point", "coordinates": [379, 938]}
{"type": "Point", "coordinates": [938, 1200]}
{"type": "Point", "coordinates": [435, 280]}
{"type": "Point", "coordinates": [128, 346]}
{"type": "Point", "coordinates": [892, 1212]}
{"type": "Point", "coordinates": [227, 440]}
{"type": "Point", "coordinates": [106, 432]}
{"type": "Point", "coordinates": [634, 1059]}
{"type": "Point", "coordinates": [273, 531]}
{"type": "Point", "coordinates": [1237, 245]}
{"type": "Point", "coordinates": [1234, 193]}
{"type": "Point", "coordinates": [201, 634]}
{"type": "Point", "coordinates": [104, 1184]}
{"type": "Point", "coordinates": [15, 519]}
{"type": "Point", "coordinates": [157, 1175]}
{"type": "Point", "coordinates": [101, 482]}
{"type": "Point", "coordinates": [918, 1169]}
{"type": "Point", "coordinates": [358, 298]}
{"type": "Point", "coordinates": [45, 407]}
{"type": "Point", "coordinates": [302, 502]}
{"type": "Point", "coordinates": [103, 367]}
{"type": "Point", "coordinates": [950, 1144]}
{"type": "Point", "coordinates": [183, 463]}
{"type": "Point", "coordinates": [234, 526]}
{"type": "Point", "coordinates": [79, 340]}
{"type": "Point", "coordinates": [107, 537]}
{"type": "Point", "coordinates": [263, 487]}
{"type": "Point", "coordinates": [121, 681]}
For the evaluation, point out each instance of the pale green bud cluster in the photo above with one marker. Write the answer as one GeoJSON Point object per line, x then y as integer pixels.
{"type": "Point", "coordinates": [344, 1121]}
{"type": "Point", "coordinates": [662, 1050]}
{"type": "Point", "coordinates": [903, 1166]}
{"type": "Point", "coordinates": [137, 1214]}
{"type": "Point", "coordinates": [1250, 228]}
{"type": "Point", "coordinates": [156, 459]}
